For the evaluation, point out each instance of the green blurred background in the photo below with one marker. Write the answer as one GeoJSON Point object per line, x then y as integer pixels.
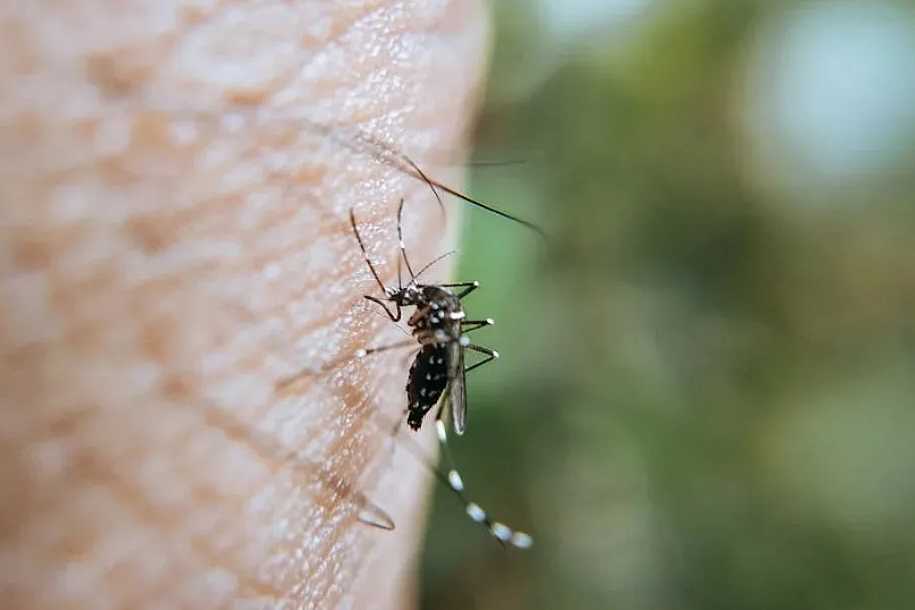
{"type": "Point", "coordinates": [706, 393]}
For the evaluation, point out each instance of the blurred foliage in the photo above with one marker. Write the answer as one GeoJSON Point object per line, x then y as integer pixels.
{"type": "Point", "coordinates": [705, 395]}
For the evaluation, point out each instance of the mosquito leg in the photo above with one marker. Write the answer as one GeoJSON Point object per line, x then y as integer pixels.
{"type": "Point", "coordinates": [395, 317]}
{"type": "Point", "coordinates": [475, 324]}
{"type": "Point", "coordinates": [362, 353]}
{"type": "Point", "coordinates": [467, 286]}
{"type": "Point", "coordinates": [490, 353]}
{"type": "Point", "coordinates": [365, 254]}
{"type": "Point", "coordinates": [406, 359]}
{"type": "Point", "coordinates": [423, 338]}
{"type": "Point", "coordinates": [501, 532]}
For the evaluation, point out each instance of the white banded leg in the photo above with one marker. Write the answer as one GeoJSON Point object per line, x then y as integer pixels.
{"type": "Point", "coordinates": [467, 286]}
{"type": "Point", "coordinates": [501, 532]}
{"type": "Point", "coordinates": [491, 354]}
{"type": "Point", "coordinates": [472, 325]}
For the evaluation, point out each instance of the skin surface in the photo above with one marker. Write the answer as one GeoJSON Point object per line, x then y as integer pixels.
{"type": "Point", "coordinates": [183, 424]}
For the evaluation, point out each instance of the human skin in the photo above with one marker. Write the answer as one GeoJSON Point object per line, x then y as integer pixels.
{"type": "Point", "coordinates": [183, 424]}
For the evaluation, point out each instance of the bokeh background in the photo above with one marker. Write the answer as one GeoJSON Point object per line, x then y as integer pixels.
{"type": "Point", "coordinates": [707, 392]}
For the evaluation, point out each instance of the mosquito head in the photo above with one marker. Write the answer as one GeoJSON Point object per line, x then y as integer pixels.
{"type": "Point", "coordinates": [406, 296]}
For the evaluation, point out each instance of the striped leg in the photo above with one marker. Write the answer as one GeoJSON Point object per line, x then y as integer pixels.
{"type": "Point", "coordinates": [472, 325]}
{"type": "Point", "coordinates": [500, 531]}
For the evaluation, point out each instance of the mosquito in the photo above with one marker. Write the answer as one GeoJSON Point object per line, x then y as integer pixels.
{"type": "Point", "coordinates": [438, 375]}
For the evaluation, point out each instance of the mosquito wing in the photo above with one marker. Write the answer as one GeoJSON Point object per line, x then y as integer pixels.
{"type": "Point", "coordinates": [457, 392]}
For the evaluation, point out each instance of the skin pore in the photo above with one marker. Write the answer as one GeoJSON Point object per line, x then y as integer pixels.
{"type": "Point", "coordinates": [182, 424]}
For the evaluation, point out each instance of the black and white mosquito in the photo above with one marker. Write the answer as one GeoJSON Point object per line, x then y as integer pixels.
{"type": "Point", "coordinates": [438, 373]}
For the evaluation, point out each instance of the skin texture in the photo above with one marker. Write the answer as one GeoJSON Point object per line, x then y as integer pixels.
{"type": "Point", "coordinates": [183, 424]}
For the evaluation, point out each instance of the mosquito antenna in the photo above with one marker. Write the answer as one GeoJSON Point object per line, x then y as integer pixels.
{"type": "Point", "coordinates": [435, 260]}
{"type": "Point", "coordinates": [403, 247]}
{"type": "Point", "coordinates": [352, 221]}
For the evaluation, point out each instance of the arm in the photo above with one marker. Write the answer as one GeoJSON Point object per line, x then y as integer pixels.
{"type": "Point", "coordinates": [162, 272]}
